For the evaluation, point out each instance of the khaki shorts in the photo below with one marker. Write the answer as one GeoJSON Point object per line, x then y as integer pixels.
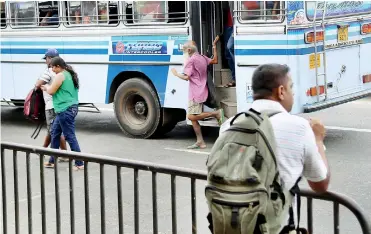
{"type": "Point", "coordinates": [49, 116]}
{"type": "Point", "coordinates": [195, 108]}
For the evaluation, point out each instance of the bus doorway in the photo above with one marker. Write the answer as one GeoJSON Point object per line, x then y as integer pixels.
{"type": "Point", "coordinates": [208, 21]}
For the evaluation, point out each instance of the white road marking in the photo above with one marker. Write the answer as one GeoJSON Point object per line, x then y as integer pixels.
{"type": "Point", "coordinates": [189, 151]}
{"type": "Point", "coordinates": [348, 129]}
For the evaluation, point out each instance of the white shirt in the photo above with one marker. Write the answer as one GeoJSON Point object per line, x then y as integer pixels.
{"type": "Point", "coordinates": [48, 77]}
{"type": "Point", "coordinates": [297, 151]}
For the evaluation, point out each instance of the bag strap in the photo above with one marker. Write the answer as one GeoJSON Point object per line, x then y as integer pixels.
{"type": "Point", "coordinates": [37, 131]}
{"type": "Point", "coordinates": [295, 191]}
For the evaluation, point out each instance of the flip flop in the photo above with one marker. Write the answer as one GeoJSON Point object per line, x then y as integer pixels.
{"type": "Point", "coordinates": [49, 165]}
{"type": "Point", "coordinates": [221, 120]}
{"type": "Point", "coordinates": [230, 84]}
{"type": "Point", "coordinates": [195, 146]}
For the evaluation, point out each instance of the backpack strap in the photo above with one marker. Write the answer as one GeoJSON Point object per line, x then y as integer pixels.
{"type": "Point", "coordinates": [291, 225]}
{"type": "Point", "coordinates": [37, 131]}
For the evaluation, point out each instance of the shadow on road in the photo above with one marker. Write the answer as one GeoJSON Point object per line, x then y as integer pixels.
{"type": "Point", "coordinates": [105, 123]}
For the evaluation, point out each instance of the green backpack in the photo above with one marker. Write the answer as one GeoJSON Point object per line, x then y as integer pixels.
{"type": "Point", "coordinates": [243, 191]}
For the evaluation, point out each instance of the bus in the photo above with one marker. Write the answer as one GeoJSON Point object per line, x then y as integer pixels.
{"type": "Point", "coordinates": [124, 51]}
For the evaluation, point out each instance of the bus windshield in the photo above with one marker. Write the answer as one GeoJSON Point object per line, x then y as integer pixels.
{"type": "Point", "coordinates": [336, 9]}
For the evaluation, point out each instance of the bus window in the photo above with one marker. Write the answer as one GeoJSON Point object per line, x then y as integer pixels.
{"type": "Point", "coordinates": [92, 12]}
{"type": "Point", "coordinates": [48, 13]}
{"type": "Point", "coordinates": [23, 14]}
{"type": "Point", "coordinates": [3, 14]}
{"type": "Point", "coordinates": [261, 11]}
{"type": "Point", "coordinates": [155, 12]}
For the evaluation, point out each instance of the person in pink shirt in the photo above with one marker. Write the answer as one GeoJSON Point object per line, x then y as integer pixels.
{"type": "Point", "coordinates": [195, 71]}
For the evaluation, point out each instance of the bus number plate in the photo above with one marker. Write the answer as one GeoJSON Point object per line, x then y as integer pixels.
{"type": "Point", "coordinates": [343, 34]}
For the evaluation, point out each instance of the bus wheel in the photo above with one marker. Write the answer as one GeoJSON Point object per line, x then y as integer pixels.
{"type": "Point", "coordinates": [137, 108]}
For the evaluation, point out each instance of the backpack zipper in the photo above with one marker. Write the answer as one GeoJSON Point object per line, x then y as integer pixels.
{"type": "Point", "coordinates": [230, 192]}
{"type": "Point", "coordinates": [236, 204]}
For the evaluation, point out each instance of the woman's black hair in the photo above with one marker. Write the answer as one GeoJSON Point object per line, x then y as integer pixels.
{"type": "Point", "coordinates": [58, 61]}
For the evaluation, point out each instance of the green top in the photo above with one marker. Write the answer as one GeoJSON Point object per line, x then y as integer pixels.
{"type": "Point", "coordinates": [66, 95]}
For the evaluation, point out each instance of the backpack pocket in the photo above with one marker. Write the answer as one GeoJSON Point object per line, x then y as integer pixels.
{"type": "Point", "coordinates": [236, 164]}
{"type": "Point", "coordinates": [237, 212]}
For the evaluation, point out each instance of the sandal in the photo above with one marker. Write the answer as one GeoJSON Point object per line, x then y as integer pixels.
{"type": "Point", "coordinates": [64, 159]}
{"type": "Point", "coordinates": [77, 168]}
{"type": "Point", "coordinates": [230, 84]}
{"type": "Point", "coordinates": [49, 165]}
{"type": "Point", "coordinates": [196, 146]}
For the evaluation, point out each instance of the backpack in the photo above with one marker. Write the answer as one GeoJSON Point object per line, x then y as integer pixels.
{"type": "Point", "coordinates": [243, 191]}
{"type": "Point", "coordinates": [212, 100]}
{"type": "Point", "coordinates": [34, 110]}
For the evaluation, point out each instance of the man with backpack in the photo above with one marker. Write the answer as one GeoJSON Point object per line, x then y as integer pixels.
{"type": "Point", "coordinates": [47, 78]}
{"type": "Point", "coordinates": [256, 163]}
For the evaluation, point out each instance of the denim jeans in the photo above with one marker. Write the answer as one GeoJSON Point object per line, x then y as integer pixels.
{"type": "Point", "coordinates": [64, 123]}
{"type": "Point", "coordinates": [229, 49]}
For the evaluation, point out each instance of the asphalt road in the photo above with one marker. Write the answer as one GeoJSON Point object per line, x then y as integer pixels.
{"type": "Point", "coordinates": [349, 129]}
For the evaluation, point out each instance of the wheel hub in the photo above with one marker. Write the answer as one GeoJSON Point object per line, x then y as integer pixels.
{"type": "Point", "coordinates": [140, 108]}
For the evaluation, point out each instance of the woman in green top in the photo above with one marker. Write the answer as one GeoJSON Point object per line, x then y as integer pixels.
{"type": "Point", "coordinates": [64, 89]}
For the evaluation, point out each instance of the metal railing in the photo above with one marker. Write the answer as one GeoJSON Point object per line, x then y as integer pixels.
{"type": "Point", "coordinates": [155, 169]}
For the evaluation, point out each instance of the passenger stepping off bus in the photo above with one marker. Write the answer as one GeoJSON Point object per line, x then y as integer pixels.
{"type": "Point", "coordinates": [195, 71]}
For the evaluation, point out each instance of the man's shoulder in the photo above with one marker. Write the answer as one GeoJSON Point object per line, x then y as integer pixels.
{"type": "Point", "coordinates": [292, 119]}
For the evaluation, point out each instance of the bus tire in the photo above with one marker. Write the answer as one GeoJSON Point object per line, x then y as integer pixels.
{"type": "Point", "coordinates": [137, 108]}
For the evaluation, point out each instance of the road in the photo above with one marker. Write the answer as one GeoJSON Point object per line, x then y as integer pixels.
{"type": "Point", "coordinates": [349, 129]}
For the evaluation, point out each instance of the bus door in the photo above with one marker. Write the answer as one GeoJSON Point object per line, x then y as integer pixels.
{"type": "Point", "coordinates": [205, 28]}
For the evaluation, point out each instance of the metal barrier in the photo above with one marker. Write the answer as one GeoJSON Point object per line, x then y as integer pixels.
{"type": "Point", "coordinates": [137, 166]}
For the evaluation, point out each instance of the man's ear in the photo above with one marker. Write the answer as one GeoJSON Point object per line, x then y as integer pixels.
{"type": "Point", "coordinates": [280, 92]}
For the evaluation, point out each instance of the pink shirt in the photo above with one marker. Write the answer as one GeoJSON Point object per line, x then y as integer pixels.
{"type": "Point", "coordinates": [196, 69]}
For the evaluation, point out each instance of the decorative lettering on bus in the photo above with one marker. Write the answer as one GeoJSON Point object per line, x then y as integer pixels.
{"type": "Point", "coordinates": [139, 47]}
{"type": "Point", "coordinates": [343, 44]}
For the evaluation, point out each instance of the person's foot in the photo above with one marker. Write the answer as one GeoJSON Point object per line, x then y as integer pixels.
{"type": "Point", "coordinates": [49, 165]}
{"type": "Point", "coordinates": [230, 84]}
{"type": "Point", "coordinates": [77, 168]}
{"type": "Point", "coordinates": [64, 159]}
{"type": "Point", "coordinates": [197, 145]}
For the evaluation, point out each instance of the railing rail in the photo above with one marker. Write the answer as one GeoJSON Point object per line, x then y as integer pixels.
{"type": "Point", "coordinates": [155, 169]}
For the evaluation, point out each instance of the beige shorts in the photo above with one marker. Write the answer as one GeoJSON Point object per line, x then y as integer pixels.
{"type": "Point", "coordinates": [195, 108]}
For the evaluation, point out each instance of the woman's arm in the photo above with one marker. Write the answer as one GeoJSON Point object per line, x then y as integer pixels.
{"type": "Point", "coordinates": [57, 82]}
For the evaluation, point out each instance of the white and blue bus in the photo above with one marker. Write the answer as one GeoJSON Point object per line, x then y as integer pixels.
{"type": "Point", "coordinates": [123, 52]}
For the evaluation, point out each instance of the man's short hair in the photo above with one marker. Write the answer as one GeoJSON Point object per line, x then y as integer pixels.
{"type": "Point", "coordinates": [268, 77]}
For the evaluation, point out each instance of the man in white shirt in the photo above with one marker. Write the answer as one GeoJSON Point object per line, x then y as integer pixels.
{"type": "Point", "coordinates": [300, 148]}
{"type": "Point", "coordinates": [47, 78]}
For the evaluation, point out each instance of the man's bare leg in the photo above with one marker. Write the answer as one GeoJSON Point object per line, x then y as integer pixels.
{"type": "Point", "coordinates": [200, 140]}
{"type": "Point", "coordinates": [204, 115]}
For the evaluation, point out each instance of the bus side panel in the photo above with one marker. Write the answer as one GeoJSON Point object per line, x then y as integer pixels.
{"type": "Point", "coordinates": [251, 51]}
{"type": "Point", "coordinates": [93, 76]}
{"type": "Point", "coordinates": [7, 81]}
{"type": "Point", "coordinates": [170, 89]}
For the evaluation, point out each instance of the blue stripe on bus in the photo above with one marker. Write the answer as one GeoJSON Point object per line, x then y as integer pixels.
{"type": "Point", "coordinates": [157, 74]}
{"type": "Point", "coordinates": [301, 51]}
{"type": "Point", "coordinates": [54, 43]}
{"type": "Point", "coordinates": [60, 50]}
{"type": "Point", "coordinates": [287, 42]}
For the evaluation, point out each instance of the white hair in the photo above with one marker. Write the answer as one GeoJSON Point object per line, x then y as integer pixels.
{"type": "Point", "coordinates": [190, 45]}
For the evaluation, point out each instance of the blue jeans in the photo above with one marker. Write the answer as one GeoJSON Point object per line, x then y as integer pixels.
{"type": "Point", "coordinates": [229, 49]}
{"type": "Point", "coordinates": [64, 123]}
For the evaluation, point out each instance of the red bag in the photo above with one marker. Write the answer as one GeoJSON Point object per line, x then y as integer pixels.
{"type": "Point", "coordinates": [34, 109]}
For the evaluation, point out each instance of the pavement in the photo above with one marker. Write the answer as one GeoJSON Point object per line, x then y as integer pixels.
{"type": "Point", "coordinates": [349, 129]}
